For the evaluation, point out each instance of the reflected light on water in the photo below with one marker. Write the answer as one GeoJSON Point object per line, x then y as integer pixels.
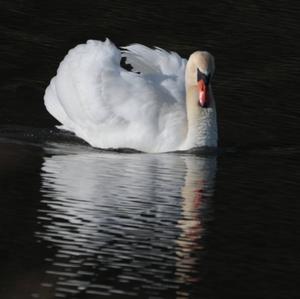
{"type": "Point", "coordinates": [123, 224]}
{"type": "Point", "coordinates": [196, 192]}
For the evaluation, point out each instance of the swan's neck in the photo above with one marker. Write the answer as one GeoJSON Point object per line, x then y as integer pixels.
{"type": "Point", "coordinates": [202, 123]}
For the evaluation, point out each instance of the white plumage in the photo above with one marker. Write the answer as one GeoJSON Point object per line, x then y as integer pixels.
{"type": "Point", "coordinates": [110, 107]}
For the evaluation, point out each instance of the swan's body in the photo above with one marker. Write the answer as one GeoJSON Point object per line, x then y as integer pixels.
{"type": "Point", "coordinates": [155, 108]}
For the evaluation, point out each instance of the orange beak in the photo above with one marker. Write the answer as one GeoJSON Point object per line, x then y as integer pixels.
{"type": "Point", "coordinates": [203, 93]}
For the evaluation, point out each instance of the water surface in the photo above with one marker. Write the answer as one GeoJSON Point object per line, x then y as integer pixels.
{"type": "Point", "coordinates": [76, 222]}
{"type": "Point", "coordinates": [82, 223]}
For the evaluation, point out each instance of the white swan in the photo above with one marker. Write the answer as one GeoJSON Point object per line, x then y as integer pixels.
{"type": "Point", "coordinates": [164, 104]}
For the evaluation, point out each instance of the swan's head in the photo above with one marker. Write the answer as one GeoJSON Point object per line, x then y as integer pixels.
{"type": "Point", "coordinates": [199, 71]}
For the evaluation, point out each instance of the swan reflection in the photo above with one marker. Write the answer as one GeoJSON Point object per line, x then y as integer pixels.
{"type": "Point", "coordinates": [196, 193]}
{"type": "Point", "coordinates": [123, 223]}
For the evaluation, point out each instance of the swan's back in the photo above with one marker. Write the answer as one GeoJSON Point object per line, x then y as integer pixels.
{"type": "Point", "coordinates": [109, 107]}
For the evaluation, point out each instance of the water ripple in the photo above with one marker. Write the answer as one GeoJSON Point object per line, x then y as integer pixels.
{"type": "Point", "coordinates": [127, 225]}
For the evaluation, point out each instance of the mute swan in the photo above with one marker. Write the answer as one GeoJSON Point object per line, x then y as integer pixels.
{"type": "Point", "coordinates": [164, 104]}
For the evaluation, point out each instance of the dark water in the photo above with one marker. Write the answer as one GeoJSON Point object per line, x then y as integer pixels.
{"type": "Point", "coordinates": [76, 222]}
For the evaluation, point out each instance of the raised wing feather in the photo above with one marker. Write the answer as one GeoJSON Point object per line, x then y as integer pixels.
{"type": "Point", "coordinates": [159, 64]}
{"type": "Point", "coordinates": [146, 60]}
{"type": "Point", "coordinates": [110, 107]}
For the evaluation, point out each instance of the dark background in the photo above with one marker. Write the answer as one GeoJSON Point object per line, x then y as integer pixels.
{"type": "Point", "coordinates": [250, 248]}
{"type": "Point", "coordinates": [255, 43]}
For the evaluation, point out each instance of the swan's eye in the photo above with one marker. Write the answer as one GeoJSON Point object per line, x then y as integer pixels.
{"type": "Point", "coordinates": [201, 76]}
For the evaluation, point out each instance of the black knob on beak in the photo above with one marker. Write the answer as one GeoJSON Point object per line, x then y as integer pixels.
{"type": "Point", "coordinates": [201, 76]}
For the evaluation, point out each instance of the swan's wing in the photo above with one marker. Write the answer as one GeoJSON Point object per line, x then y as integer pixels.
{"type": "Point", "coordinates": [75, 94]}
{"type": "Point", "coordinates": [150, 61]}
{"type": "Point", "coordinates": [109, 107]}
{"type": "Point", "coordinates": [158, 63]}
